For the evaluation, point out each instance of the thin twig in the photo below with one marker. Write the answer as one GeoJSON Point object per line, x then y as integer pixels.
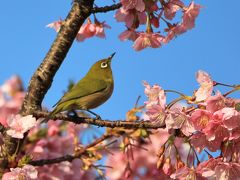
{"type": "Point", "coordinates": [222, 84]}
{"type": "Point", "coordinates": [106, 8]}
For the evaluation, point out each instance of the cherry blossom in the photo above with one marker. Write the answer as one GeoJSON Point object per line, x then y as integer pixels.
{"type": "Point", "coordinates": [230, 117]}
{"type": "Point", "coordinates": [235, 134]}
{"type": "Point", "coordinates": [178, 120]}
{"type": "Point", "coordinates": [204, 170]}
{"type": "Point", "coordinates": [171, 7]}
{"type": "Point", "coordinates": [209, 121]}
{"type": "Point", "coordinates": [55, 25]}
{"type": "Point", "coordinates": [133, 4]}
{"type": "Point", "coordinates": [215, 130]}
{"type": "Point", "coordinates": [99, 29]}
{"type": "Point", "coordinates": [216, 102]}
{"type": "Point", "coordinates": [86, 31]}
{"type": "Point", "coordinates": [28, 172]}
{"type": "Point", "coordinates": [228, 171]}
{"type": "Point", "coordinates": [137, 167]}
{"type": "Point", "coordinates": [53, 127]}
{"type": "Point", "coordinates": [156, 103]}
{"type": "Point", "coordinates": [173, 31]}
{"type": "Point", "coordinates": [12, 86]}
{"type": "Point", "coordinates": [147, 40]}
{"type": "Point", "coordinates": [11, 98]}
{"type": "Point", "coordinates": [155, 94]}
{"type": "Point", "coordinates": [65, 170]}
{"type": "Point", "coordinates": [190, 14]}
{"type": "Point", "coordinates": [134, 13]}
{"type": "Point", "coordinates": [167, 167]}
{"type": "Point", "coordinates": [200, 119]}
{"type": "Point", "coordinates": [212, 125]}
{"type": "Point", "coordinates": [129, 34]}
{"type": "Point", "coordinates": [53, 147]}
{"type": "Point", "coordinates": [188, 19]}
{"type": "Point", "coordinates": [89, 30]}
{"type": "Point", "coordinates": [131, 18]}
{"type": "Point", "coordinates": [59, 139]}
{"type": "Point", "coordinates": [206, 86]}
{"type": "Point", "coordinates": [19, 125]}
{"type": "Point", "coordinates": [11, 106]}
{"type": "Point", "coordinates": [2, 98]}
{"type": "Point", "coordinates": [199, 141]}
{"type": "Point", "coordinates": [187, 173]}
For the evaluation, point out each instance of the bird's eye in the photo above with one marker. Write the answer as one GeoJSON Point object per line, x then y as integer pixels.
{"type": "Point", "coordinates": [104, 65]}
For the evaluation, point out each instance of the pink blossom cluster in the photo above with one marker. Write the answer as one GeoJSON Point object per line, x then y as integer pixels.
{"type": "Point", "coordinates": [153, 13]}
{"type": "Point", "coordinates": [158, 15]}
{"type": "Point", "coordinates": [11, 98]}
{"type": "Point", "coordinates": [18, 125]}
{"type": "Point", "coordinates": [26, 172]}
{"type": "Point", "coordinates": [213, 168]}
{"type": "Point", "coordinates": [59, 139]}
{"type": "Point", "coordinates": [87, 30]}
{"type": "Point", "coordinates": [209, 121]}
{"type": "Point", "coordinates": [140, 163]}
{"type": "Point", "coordinates": [49, 141]}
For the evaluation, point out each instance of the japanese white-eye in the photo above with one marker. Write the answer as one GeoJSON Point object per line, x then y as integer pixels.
{"type": "Point", "coordinates": [91, 91]}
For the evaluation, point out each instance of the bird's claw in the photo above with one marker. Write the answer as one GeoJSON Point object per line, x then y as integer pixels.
{"type": "Point", "coordinates": [98, 117]}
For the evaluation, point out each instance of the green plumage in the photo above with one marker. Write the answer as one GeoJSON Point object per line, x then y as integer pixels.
{"type": "Point", "coordinates": [91, 91]}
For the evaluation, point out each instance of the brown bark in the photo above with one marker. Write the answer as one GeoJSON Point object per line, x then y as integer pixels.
{"type": "Point", "coordinates": [103, 123]}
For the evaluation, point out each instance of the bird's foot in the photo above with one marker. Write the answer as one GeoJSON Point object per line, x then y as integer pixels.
{"type": "Point", "coordinates": [96, 115]}
{"type": "Point", "coordinates": [72, 113]}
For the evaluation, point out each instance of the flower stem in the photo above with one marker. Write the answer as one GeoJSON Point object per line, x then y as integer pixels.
{"type": "Point", "coordinates": [222, 84]}
{"type": "Point", "coordinates": [173, 91]}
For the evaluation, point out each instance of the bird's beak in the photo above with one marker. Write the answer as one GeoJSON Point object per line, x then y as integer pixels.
{"type": "Point", "coordinates": [110, 58]}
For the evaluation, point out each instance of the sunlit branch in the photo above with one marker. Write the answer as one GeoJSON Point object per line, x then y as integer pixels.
{"type": "Point", "coordinates": [102, 123]}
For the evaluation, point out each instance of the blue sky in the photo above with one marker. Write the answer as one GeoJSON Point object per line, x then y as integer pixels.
{"type": "Point", "coordinates": [212, 46]}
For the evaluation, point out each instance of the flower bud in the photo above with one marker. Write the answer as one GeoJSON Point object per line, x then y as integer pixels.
{"type": "Point", "coordinates": [180, 164]}
{"type": "Point", "coordinates": [161, 151]}
{"type": "Point", "coordinates": [167, 167]}
{"type": "Point", "coordinates": [160, 162]}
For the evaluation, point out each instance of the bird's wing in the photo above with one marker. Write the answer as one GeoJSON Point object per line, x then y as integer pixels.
{"type": "Point", "coordinates": [83, 88]}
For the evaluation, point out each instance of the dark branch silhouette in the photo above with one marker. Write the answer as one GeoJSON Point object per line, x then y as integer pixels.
{"type": "Point", "coordinates": [106, 8]}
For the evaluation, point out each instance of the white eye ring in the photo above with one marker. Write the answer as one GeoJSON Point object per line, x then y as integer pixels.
{"type": "Point", "coordinates": [104, 65]}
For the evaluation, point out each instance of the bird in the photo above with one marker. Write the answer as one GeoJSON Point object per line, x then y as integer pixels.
{"type": "Point", "coordinates": [94, 89]}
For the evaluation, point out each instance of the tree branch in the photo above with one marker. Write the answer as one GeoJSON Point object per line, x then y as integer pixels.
{"type": "Point", "coordinates": [102, 123]}
{"type": "Point", "coordinates": [106, 8]}
{"type": "Point", "coordinates": [43, 76]}
{"type": "Point", "coordinates": [68, 157]}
